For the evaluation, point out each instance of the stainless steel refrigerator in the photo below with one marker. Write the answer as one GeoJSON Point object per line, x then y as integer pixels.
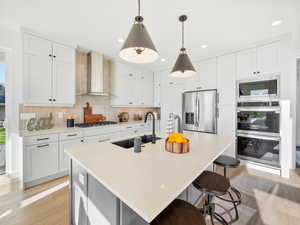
{"type": "Point", "coordinates": [199, 111]}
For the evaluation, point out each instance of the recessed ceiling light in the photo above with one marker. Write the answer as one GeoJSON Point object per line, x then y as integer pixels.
{"type": "Point", "coordinates": [276, 23]}
{"type": "Point", "coordinates": [203, 46]}
{"type": "Point", "coordinates": [120, 40]}
{"type": "Point", "coordinates": [163, 60]}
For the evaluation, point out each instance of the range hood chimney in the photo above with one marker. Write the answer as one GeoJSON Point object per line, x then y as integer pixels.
{"type": "Point", "coordinates": [98, 74]}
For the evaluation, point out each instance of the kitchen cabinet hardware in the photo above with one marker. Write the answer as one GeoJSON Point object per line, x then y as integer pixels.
{"type": "Point", "coordinates": [130, 103]}
{"type": "Point", "coordinates": [82, 140]}
{"type": "Point", "coordinates": [130, 74]}
{"type": "Point", "coordinates": [254, 73]}
{"type": "Point", "coordinates": [50, 99]}
{"type": "Point", "coordinates": [72, 135]}
{"type": "Point", "coordinates": [50, 55]}
{"type": "Point", "coordinates": [54, 99]}
{"type": "Point", "coordinates": [43, 146]}
{"type": "Point", "coordinates": [54, 56]}
{"type": "Point", "coordinates": [128, 127]}
{"type": "Point", "coordinates": [198, 88]}
{"type": "Point", "coordinates": [258, 72]}
{"type": "Point", "coordinates": [42, 139]}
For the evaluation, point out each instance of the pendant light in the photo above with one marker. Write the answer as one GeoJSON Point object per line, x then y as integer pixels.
{"type": "Point", "coordinates": [138, 47]}
{"type": "Point", "coordinates": [183, 66]}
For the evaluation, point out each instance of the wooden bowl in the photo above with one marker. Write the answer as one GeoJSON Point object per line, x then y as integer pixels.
{"type": "Point", "coordinates": [178, 148]}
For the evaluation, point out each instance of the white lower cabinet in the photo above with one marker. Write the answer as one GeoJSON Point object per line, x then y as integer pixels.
{"type": "Point", "coordinates": [63, 157]}
{"type": "Point", "coordinates": [40, 161]}
{"type": "Point", "coordinates": [101, 138]}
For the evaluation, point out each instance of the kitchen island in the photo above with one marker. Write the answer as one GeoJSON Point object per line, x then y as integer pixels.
{"type": "Point", "coordinates": [114, 185]}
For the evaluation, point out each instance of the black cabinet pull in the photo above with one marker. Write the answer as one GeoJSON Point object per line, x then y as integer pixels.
{"type": "Point", "coordinates": [42, 139]}
{"type": "Point", "coordinates": [54, 56]}
{"type": "Point", "coordinates": [72, 135]}
{"type": "Point", "coordinates": [258, 72]}
{"type": "Point", "coordinates": [43, 146]}
{"type": "Point", "coordinates": [50, 99]}
{"type": "Point", "coordinates": [54, 99]}
{"type": "Point", "coordinates": [50, 55]}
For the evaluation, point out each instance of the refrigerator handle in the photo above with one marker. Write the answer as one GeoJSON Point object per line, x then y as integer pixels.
{"type": "Point", "coordinates": [197, 112]}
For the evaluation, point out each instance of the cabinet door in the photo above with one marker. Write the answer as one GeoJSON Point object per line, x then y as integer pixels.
{"type": "Point", "coordinates": [103, 206]}
{"type": "Point", "coordinates": [171, 100]}
{"type": "Point", "coordinates": [207, 71]}
{"type": "Point", "coordinates": [227, 125]}
{"type": "Point", "coordinates": [156, 94]}
{"type": "Point", "coordinates": [246, 64]}
{"type": "Point", "coordinates": [79, 195]}
{"type": "Point", "coordinates": [44, 160]}
{"type": "Point", "coordinates": [268, 59]}
{"type": "Point", "coordinates": [226, 79]}
{"type": "Point", "coordinates": [64, 160]}
{"type": "Point", "coordinates": [205, 78]}
{"type": "Point", "coordinates": [37, 71]}
{"type": "Point", "coordinates": [100, 138]}
{"type": "Point", "coordinates": [122, 83]}
{"type": "Point", "coordinates": [146, 89]}
{"type": "Point", "coordinates": [63, 75]}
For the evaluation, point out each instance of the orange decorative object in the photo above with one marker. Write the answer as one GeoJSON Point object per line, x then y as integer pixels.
{"type": "Point", "coordinates": [177, 143]}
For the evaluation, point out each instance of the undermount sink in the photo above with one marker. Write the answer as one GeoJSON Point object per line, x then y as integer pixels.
{"type": "Point", "coordinates": [129, 143]}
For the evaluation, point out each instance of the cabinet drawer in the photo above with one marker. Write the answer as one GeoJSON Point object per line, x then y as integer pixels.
{"type": "Point", "coordinates": [101, 138]}
{"type": "Point", "coordinates": [70, 135]}
{"type": "Point", "coordinates": [99, 131]}
{"type": "Point", "coordinates": [35, 140]}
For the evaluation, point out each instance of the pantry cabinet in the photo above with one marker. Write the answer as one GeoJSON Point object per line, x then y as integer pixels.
{"type": "Point", "coordinates": [257, 62]}
{"type": "Point", "coordinates": [130, 86]}
{"type": "Point", "coordinates": [49, 72]}
{"type": "Point", "coordinates": [226, 80]}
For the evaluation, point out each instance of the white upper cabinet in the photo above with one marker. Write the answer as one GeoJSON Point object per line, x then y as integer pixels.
{"type": "Point", "coordinates": [257, 62]}
{"type": "Point", "coordinates": [268, 59]}
{"type": "Point", "coordinates": [156, 94]}
{"type": "Point", "coordinates": [246, 64]}
{"type": "Point", "coordinates": [130, 86]}
{"type": "Point", "coordinates": [37, 70]}
{"type": "Point", "coordinates": [206, 76]}
{"type": "Point", "coordinates": [63, 75]}
{"type": "Point", "coordinates": [49, 73]}
{"type": "Point", "coordinates": [226, 79]}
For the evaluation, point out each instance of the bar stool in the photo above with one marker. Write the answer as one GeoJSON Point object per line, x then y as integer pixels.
{"type": "Point", "coordinates": [229, 162]}
{"type": "Point", "coordinates": [226, 162]}
{"type": "Point", "coordinates": [179, 212]}
{"type": "Point", "coordinates": [215, 185]}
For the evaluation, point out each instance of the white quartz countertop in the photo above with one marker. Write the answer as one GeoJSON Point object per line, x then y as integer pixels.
{"type": "Point", "coordinates": [149, 181]}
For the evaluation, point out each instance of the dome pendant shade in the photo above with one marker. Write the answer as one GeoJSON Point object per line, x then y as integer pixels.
{"type": "Point", "coordinates": [138, 47]}
{"type": "Point", "coordinates": [183, 66]}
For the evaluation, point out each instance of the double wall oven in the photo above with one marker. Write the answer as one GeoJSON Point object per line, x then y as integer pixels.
{"type": "Point", "coordinates": [258, 125]}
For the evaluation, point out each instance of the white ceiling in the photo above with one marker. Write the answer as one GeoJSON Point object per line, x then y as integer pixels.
{"type": "Point", "coordinates": [97, 24]}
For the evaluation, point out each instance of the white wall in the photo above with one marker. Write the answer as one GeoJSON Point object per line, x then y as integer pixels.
{"type": "Point", "coordinates": [298, 105]}
{"type": "Point", "coordinates": [11, 45]}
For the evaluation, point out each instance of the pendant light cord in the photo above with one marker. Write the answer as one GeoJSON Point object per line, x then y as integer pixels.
{"type": "Point", "coordinates": [139, 7]}
{"type": "Point", "coordinates": [182, 35]}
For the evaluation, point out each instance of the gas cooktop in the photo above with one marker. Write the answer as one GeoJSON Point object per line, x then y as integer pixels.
{"type": "Point", "coordinates": [95, 124]}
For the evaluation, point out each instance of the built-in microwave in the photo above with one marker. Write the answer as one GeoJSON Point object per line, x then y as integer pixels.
{"type": "Point", "coordinates": [267, 88]}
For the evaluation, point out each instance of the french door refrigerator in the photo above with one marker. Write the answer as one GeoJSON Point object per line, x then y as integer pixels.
{"type": "Point", "coordinates": [199, 111]}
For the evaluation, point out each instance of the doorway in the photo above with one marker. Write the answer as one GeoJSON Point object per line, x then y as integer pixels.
{"type": "Point", "coordinates": [2, 115]}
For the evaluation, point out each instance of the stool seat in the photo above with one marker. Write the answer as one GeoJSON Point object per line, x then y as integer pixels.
{"type": "Point", "coordinates": [227, 161]}
{"type": "Point", "coordinates": [179, 212]}
{"type": "Point", "coordinates": [212, 182]}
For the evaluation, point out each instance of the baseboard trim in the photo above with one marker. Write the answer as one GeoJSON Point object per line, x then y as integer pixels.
{"type": "Point", "coordinates": [30, 184]}
{"type": "Point", "coordinates": [264, 168]}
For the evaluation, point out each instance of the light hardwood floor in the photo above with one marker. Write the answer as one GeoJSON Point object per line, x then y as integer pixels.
{"type": "Point", "coordinates": [273, 200]}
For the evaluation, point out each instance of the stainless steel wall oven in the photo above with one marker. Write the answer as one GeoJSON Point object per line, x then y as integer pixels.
{"type": "Point", "coordinates": [258, 131]}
